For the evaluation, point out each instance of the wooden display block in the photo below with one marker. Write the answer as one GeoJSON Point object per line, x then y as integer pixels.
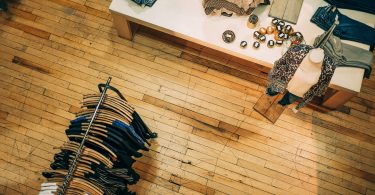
{"type": "Point", "coordinates": [268, 107]}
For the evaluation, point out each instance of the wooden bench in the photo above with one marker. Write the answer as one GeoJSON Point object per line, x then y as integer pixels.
{"type": "Point", "coordinates": [186, 19]}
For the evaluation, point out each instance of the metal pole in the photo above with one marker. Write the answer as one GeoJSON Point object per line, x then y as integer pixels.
{"type": "Point", "coordinates": [73, 167]}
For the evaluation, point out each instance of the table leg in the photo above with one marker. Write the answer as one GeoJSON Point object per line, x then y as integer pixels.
{"type": "Point", "coordinates": [122, 26]}
{"type": "Point", "coordinates": [337, 98]}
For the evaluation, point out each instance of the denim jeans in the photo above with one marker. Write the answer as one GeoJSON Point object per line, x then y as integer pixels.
{"type": "Point", "coordinates": [360, 5]}
{"type": "Point", "coordinates": [347, 28]}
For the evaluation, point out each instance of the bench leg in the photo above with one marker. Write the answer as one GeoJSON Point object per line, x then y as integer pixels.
{"type": "Point", "coordinates": [122, 26]}
{"type": "Point", "coordinates": [337, 98]}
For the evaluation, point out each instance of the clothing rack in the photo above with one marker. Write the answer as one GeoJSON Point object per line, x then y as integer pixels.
{"type": "Point", "coordinates": [72, 169]}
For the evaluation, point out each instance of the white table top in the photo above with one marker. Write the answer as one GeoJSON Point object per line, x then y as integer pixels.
{"type": "Point", "coordinates": [186, 19]}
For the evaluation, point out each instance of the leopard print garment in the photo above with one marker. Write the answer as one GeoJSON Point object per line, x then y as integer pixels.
{"type": "Point", "coordinates": [284, 69]}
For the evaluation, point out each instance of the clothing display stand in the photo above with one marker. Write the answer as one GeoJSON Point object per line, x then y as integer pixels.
{"type": "Point", "coordinates": [103, 140]}
{"type": "Point", "coordinates": [268, 106]}
{"type": "Point", "coordinates": [73, 167]}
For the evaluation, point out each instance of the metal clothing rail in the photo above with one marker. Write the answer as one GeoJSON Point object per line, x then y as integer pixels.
{"type": "Point", "coordinates": [73, 167]}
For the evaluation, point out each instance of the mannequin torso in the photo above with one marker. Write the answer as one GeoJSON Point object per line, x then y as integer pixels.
{"type": "Point", "coordinates": [307, 74]}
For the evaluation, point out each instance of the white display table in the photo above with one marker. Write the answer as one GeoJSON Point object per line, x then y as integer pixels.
{"type": "Point", "coordinates": [186, 19]}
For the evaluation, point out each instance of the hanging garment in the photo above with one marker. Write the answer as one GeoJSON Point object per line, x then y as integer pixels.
{"type": "Point", "coordinates": [360, 5]}
{"type": "Point", "coordinates": [347, 29]}
{"type": "Point", "coordinates": [109, 151]}
{"type": "Point", "coordinates": [284, 69]}
{"type": "Point", "coordinates": [239, 7]}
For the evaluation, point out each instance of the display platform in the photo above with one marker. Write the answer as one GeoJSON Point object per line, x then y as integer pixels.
{"type": "Point", "coordinates": [187, 20]}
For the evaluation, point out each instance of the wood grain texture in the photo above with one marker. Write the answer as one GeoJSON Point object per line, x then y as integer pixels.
{"type": "Point", "coordinates": [269, 107]}
{"type": "Point", "coordinates": [201, 104]}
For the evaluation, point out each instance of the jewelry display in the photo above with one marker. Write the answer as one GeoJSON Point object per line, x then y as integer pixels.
{"type": "Point", "coordinates": [263, 31]}
{"type": "Point", "coordinates": [279, 42]}
{"type": "Point", "coordinates": [270, 30]}
{"type": "Point", "coordinates": [252, 21]}
{"type": "Point", "coordinates": [271, 43]}
{"type": "Point", "coordinates": [275, 21]}
{"type": "Point", "coordinates": [228, 36]}
{"type": "Point", "coordinates": [256, 44]}
{"type": "Point", "coordinates": [256, 34]}
{"type": "Point", "coordinates": [262, 38]}
{"type": "Point", "coordinates": [243, 44]}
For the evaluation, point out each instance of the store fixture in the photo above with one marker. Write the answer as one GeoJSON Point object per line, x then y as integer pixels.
{"type": "Point", "coordinates": [103, 140]}
{"type": "Point", "coordinates": [272, 104]}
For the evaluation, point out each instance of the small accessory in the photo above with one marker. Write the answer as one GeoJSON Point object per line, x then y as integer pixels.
{"type": "Point", "coordinates": [281, 35]}
{"type": "Point", "coordinates": [279, 42]}
{"type": "Point", "coordinates": [296, 38]}
{"type": "Point", "coordinates": [262, 38]}
{"type": "Point", "coordinates": [279, 28]}
{"type": "Point", "coordinates": [256, 34]}
{"type": "Point", "coordinates": [281, 23]}
{"type": "Point", "coordinates": [271, 43]}
{"type": "Point", "coordinates": [252, 21]}
{"type": "Point", "coordinates": [286, 36]}
{"type": "Point", "coordinates": [270, 30]}
{"type": "Point", "coordinates": [275, 21]}
{"type": "Point", "coordinates": [243, 44]}
{"type": "Point", "coordinates": [256, 44]}
{"type": "Point", "coordinates": [287, 29]}
{"type": "Point", "coordinates": [263, 31]}
{"type": "Point", "coordinates": [298, 35]}
{"type": "Point", "coordinates": [228, 36]}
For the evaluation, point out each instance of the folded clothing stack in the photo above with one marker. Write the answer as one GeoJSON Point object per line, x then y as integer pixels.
{"type": "Point", "coordinates": [148, 3]}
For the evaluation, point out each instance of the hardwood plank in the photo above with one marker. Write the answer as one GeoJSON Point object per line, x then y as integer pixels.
{"type": "Point", "coordinates": [27, 29]}
{"type": "Point", "coordinates": [201, 104]}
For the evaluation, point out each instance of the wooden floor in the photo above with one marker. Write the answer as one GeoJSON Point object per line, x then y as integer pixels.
{"type": "Point", "coordinates": [211, 141]}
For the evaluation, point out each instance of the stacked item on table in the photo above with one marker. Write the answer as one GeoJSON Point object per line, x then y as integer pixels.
{"type": "Point", "coordinates": [115, 136]}
{"type": "Point", "coordinates": [148, 3]}
{"type": "Point", "coordinates": [230, 7]}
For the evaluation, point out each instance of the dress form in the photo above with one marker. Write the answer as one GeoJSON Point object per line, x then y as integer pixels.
{"type": "Point", "coordinates": [307, 74]}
